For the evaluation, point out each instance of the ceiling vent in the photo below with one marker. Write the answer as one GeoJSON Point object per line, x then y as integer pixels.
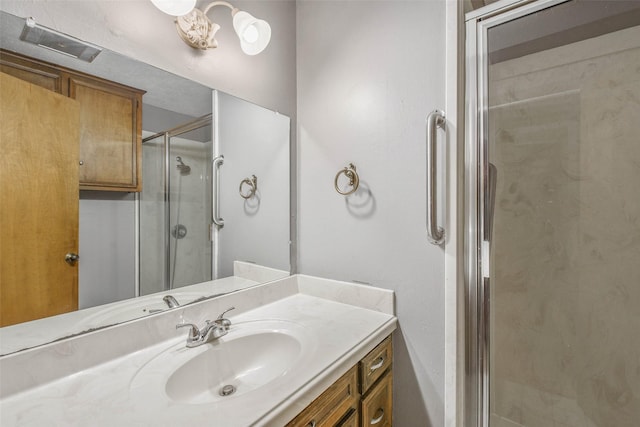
{"type": "Point", "coordinates": [58, 42]}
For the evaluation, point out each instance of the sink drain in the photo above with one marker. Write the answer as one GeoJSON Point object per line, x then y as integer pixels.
{"type": "Point", "coordinates": [227, 390]}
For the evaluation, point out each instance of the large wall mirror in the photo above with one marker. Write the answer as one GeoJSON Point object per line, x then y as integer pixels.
{"type": "Point", "coordinates": [211, 216]}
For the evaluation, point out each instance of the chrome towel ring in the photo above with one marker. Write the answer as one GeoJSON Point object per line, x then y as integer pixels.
{"type": "Point", "coordinates": [253, 186]}
{"type": "Point", "coordinates": [352, 175]}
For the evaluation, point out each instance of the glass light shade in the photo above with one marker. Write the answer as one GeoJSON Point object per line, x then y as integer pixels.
{"type": "Point", "coordinates": [175, 7]}
{"type": "Point", "coordinates": [254, 34]}
{"type": "Point", "coordinates": [251, 34]}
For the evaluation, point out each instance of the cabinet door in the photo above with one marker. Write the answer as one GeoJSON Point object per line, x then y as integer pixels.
{"type": "Point", "coordinates": [39, 208]}
{"type": "Point", "coordinates": [110, 134]}
{"type": "Point", "coordinates": [377, 406]}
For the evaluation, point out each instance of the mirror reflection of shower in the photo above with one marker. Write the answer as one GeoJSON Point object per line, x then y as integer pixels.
{"type": "Point", "coordinates": [178, 231]}
{"type": "Point", "coordinates": [175, 207]}
{"type": "Point", "coordinates": [184, 169]}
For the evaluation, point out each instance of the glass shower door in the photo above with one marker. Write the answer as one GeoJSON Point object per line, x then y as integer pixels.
{"type": "Point", "coordinates": [560, 125]}
{"type": "Point", "coordinates": [153, 217]}
{"type": "Point", "coordinates": [190, 248]}
{"type": "Point", "coordinates": [175, 208]}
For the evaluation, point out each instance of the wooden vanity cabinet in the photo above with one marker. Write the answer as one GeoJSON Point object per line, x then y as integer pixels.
{"type": "Point", "coordinates": [110, 121]}
{"type": "Point", "coordinates": [377, 406]}
{"type": "Point", "coordinates": [376, 386]}
{"type": "Point", "coordinates": [361, 397]}
{"type": "Point", "coordinates": [351, 420]}
{"type": "Point", "coordinates": [337, 404]}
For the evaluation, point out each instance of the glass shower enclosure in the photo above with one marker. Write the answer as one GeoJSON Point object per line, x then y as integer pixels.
{"type": "Point", "coordinates": [175, 208]}
{"type": "Point", "coordinates": [553, 214]}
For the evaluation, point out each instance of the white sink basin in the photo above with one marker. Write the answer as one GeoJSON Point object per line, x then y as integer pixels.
{"type": "Point", "coordinates": [253, 357]}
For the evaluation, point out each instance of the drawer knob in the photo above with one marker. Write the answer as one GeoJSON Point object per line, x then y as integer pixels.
{"type": "Point", "coordinates": [378, 364]}
{"type": "Point", "coordinates": [379, 418]}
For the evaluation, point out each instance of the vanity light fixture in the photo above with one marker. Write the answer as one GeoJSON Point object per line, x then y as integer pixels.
{"type": "Point", "coordinates": [198, 31]}
{"type": "Point", "coordinates": [175, 7]}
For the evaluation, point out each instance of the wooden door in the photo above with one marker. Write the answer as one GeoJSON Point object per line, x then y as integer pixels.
{"type": "Point", "coordinates": [36, 72]}
{"type": "Point", "coordinates": [39, 193]}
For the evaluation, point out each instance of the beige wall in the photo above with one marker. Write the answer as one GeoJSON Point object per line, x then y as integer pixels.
{"type": "Point", "coordinates": [565, 127]}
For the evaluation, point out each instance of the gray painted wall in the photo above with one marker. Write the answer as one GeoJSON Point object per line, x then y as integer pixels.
{"type": "Point", "coordinates": [106, 265]}
{"type": "Point", "coordinates": [368, 74]}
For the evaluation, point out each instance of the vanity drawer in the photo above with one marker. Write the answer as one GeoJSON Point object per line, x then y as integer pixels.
{"type": "Point", "coordinates": [331, 407]}
{"type": "Point", "coordinates": [374, 364]}
{"type": "Point", "coordinates": [377, 406]}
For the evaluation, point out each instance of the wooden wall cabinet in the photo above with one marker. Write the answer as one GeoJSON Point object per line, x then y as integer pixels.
{"type": "Point", "coordinates": [110, 134]}
{"type": "Point", "coordinates": [110, 121]}
{"type": "Point", "coordinates": [361, 397]}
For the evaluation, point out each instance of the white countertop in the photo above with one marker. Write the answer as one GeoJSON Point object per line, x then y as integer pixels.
{"type": "Point", "coordinates": [345, 322]}
{"type": "Point", "coordinates": [31, 334]}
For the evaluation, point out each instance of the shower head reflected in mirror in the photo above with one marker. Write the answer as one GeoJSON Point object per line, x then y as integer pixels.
{"type": "Point", "coordinates": [184, 169]}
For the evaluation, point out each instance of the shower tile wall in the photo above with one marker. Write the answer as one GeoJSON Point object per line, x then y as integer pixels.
{"type": "Point", "coordinates": [565, 134]}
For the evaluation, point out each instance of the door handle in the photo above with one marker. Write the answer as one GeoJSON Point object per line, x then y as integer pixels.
{"type": "Point", "coordinates": [490, 201]}
{"type": "Point", "coordinates": [71, 258]}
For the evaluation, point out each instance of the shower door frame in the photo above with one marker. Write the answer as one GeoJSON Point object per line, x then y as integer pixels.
{"type": "Point", "coordinates": [476, 236]}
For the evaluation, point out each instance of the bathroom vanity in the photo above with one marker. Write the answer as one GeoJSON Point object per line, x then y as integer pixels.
{"type": "Point", "coordinates": [365, 392]}
{"type": "Point", "coordinates": [300, 351]}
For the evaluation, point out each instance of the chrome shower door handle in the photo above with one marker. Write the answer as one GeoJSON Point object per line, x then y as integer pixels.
{"type": "Point", "coordinates": [217, 220]}
{"type": "Point", "coordinates": [435, 234]}
{"type": "Point", "coordinates": [490, 201]}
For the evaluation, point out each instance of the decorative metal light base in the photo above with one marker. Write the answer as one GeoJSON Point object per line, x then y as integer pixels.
{"type": "Point", "coordinates": [197, 30]}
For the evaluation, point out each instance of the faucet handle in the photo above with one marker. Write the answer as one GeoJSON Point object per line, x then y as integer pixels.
{"type": "Point", "coordinates": [225, 323]}
{"type": "Point", "coordinates": [225, 312]}
{"type": "Point", "coordinates": [194, 332]}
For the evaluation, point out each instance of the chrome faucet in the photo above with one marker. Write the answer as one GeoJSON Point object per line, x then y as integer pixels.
{"type": "Point", "coordinates": [171, 301]}
{"type": "Point", "coordinates": [212, 330]}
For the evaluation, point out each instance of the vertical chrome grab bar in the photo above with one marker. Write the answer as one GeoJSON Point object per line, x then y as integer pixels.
{"type": "Point", "coordinates": [217, 162]}
{"type": "Point", "coordinates": [435, 234]}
